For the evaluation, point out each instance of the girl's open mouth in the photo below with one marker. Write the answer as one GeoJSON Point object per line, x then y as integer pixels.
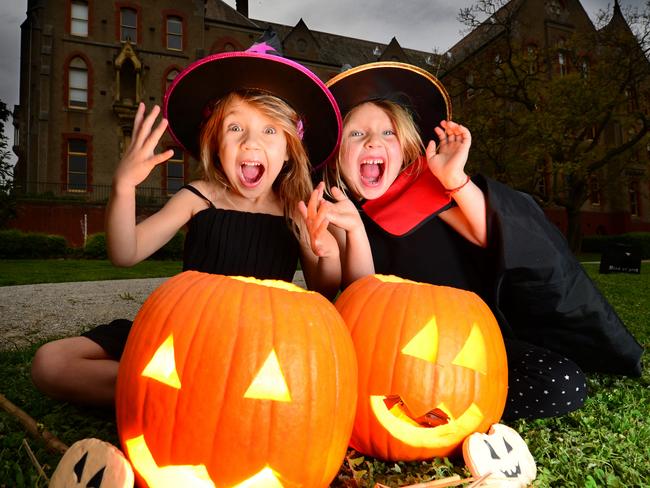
{"type": "Point", "coordinates": [251, 173]}
{"type": "Point", "coordinates": [371, 171]}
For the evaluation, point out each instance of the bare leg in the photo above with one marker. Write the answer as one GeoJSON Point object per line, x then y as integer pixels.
{"type": "Point", "coordinates": [75, 369]}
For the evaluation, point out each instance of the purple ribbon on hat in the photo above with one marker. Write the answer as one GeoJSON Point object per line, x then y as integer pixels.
{"type": "Point", "coordinates": [300, 127]}
{"type": "Point", "coordinates": [268, 43]}
{"type": "Point", "coordinates": [261, 48]}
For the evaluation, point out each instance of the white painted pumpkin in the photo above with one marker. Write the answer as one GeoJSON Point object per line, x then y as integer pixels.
{"type": "Point", "coordinates": [503, 453]}
{"type": "Point", "coordinates": [92, 463]}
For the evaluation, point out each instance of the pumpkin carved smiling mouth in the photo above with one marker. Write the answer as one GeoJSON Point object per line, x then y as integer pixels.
{"type": "Point", "coordinates": [187, 476]}
{"type": "Point", "coordinates": [397, 421]}
{"type": "Point", "coordinates": [432, 418]}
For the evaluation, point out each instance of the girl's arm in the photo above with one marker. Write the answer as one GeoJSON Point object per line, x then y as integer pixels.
{"type": "Point", "coordinates": [127, 242]}
{"type": "Point", "coordinates": [350, 233]}
{"type": "Point", "coordinates": [447, 163]}
{"type": "Point", "coordinates": [319, 251]}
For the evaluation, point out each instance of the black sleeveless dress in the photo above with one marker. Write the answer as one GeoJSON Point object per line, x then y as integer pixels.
{"type": "Point", "coordinates": [230, 242]}
{"type": "Point", "coordinates": [227, 242]}
{"type": "Point", "coordinates": [432, 253]}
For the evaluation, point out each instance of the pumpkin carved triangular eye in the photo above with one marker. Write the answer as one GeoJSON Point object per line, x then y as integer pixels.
{"type": "Point", "coordinates": [162, 366]}
{"type": "Point", "coordinates": [425, 343]}
{"type": "Point", "coordinates": [269, 383]}
{"type": "Point", "coordinates": [472, 355]}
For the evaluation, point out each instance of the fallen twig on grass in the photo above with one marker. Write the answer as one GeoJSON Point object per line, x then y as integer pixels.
{"type": "Point", "coordinates": [445, 482]}
{"type": "Point", "coordinates": [35, 463]}
{"type": "Point", "coordinates": [51, 441]}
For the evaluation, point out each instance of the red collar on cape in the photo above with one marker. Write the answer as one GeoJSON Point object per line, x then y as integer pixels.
{"type": "Point", "coordinates": [414, 196]}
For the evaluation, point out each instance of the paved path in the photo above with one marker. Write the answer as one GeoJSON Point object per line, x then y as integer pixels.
{"type": "Point", "coordinates": [29, 313]}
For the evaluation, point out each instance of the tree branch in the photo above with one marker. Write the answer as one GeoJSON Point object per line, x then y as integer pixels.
{"type": "Point", "coordinates": [51, 441]}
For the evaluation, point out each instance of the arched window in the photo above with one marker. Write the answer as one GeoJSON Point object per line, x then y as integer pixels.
{"type": "Point", "coordinates": [175, 171]}
{"type": "Point", "coordinates": [77, 83]}
{"type": "Point", "coordinates": [584, 67]}
{"type": "Point", "coordinates": [635, 198]}
{"type": "Point", "coordinates": [79, 18]}
{"type": "Point", "coordinates": [77, 161]}
{"type": "Point", "coordinates": [532, 58]}
{"type": "Point", "coordinates": [128, 25]}
{"type": "Point", "coordinates": [562, 63]}
{"type": "Point", "coordinates": [174, 33]}
{"type": "Point", "coordinates": [128, 81]}
{"type": "Point", "coordinates": [594, 190]}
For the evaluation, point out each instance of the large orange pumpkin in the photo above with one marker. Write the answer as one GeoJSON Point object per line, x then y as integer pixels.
{"type": "Point", "coordinates": [432, 367]}
{"type": "Point", "coordinates": [229, 381]}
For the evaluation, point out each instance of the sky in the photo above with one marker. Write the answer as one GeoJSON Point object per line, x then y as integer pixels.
{"type": "Point", "coordinates": [426, 25]}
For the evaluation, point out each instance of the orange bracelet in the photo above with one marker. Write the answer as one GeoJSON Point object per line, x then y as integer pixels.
{"type": "Point", "coordinates": [458, 188]}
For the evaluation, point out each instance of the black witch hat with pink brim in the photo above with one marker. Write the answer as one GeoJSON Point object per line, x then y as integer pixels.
{"type": "Point", "coordinates": [203, 82]}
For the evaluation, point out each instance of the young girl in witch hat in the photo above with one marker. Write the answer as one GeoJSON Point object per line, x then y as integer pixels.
{"type": "Point", "coordinates": [415, 213]}
{"type": "Point", "coordinates": [251, 119]}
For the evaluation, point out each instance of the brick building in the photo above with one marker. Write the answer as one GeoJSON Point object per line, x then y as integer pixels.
{"type": "Point", "coordinates": [526, 46]}
{"type": "Point", "coordinates": [86, 64]}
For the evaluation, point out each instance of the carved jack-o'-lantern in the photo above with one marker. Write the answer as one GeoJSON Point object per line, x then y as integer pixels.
{"type": "Point", "coordinates": [503, 454]}
{"type": "Point", "coordinates": [91, 463]}
{"type": "Point", "coordinates": [432, 366]}
{"type": "Point", "coordinates": [230, 381]}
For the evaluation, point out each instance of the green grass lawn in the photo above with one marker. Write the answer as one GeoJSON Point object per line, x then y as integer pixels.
{"type": "Point", "coordinates": [604, 444]}
{"type": "Point", "coordinates": [31, 271]}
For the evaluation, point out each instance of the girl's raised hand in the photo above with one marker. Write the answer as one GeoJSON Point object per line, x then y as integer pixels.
{"type": "Point", "coordinates": [322, 242]}
{"type": "Point", "coordinates": [447, 160]}
{"type": "Point", "coordinates": [343, 213]}
{"type": "Point", "coordinates": [139, 159]}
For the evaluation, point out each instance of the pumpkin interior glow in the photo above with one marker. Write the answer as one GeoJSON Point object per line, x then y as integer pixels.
{"type": "Point", "coordinates": [269, 383]}
{"type": "Point", "coordinates": [162, 366]}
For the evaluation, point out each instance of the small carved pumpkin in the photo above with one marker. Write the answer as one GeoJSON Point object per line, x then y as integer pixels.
{"type": "Point", "coordinates": [91, 463]}
{"type": "Point", "coordinates": [231, 381]}
{"type": "Point", "coordinates": [432, 367]}
{"type": "Point", "coordinates": [502, 453]}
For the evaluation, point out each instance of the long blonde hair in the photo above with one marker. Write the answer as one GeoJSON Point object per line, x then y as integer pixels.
{"type": "Point", "coordinates": [293, 183]}
{"type": "Point", "coordinates": [406, 131]}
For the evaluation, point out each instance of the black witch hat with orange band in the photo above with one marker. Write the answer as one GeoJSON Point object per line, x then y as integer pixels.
{"type": "Point", "coordinates": [416, 194]}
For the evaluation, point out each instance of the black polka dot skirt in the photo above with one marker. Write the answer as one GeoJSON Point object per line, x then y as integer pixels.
{"type": "Point", "coordinates": [541, 383]}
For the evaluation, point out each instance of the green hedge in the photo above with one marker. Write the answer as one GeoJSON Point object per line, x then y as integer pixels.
{"type": "Point", "coordinates": [639, 240]}
{"type": "Point", "coordinates": [15, 244]}
{"type": "Point", "coordinates": [96, 247]}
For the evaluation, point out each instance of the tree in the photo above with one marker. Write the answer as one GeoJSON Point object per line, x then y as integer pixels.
{"type": "Point", "coordinates": [7, 198]}
{"type": "Point", "coordinates": [558, 121]}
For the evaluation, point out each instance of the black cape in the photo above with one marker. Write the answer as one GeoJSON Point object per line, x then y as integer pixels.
{"type": "Point", "coordinates": [543, 293]}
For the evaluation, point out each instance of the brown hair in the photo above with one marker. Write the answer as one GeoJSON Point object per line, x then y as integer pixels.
{"type": "Point", "coordinates": [406, 131]}
{"type": "Point", "coordinates": [293, 183]}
